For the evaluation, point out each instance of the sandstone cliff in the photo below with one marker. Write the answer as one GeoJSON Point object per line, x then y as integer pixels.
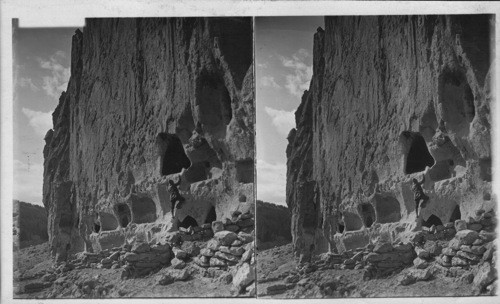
{"type": "Point", "coordinates": [150, 100]}
{"type": "Point", "coordinates": [392, 98]}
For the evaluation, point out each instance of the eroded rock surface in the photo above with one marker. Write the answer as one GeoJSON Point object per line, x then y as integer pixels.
{"type": "Point", "coordinates": [392, 98]}
{"type": "Point", "coordinates": [150, 100]}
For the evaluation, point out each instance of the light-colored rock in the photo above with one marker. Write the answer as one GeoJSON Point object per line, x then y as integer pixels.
{"type": "Point", "coordinates": [466, 237]}
{"type": "Point", "coordinates": [244, 276]}
{"type": "Point", "coordinates": [485, 275]}
{"type": "Point", "coordinates": [225, 238]}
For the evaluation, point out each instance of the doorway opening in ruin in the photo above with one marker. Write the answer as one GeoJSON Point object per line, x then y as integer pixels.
{"type": "Point", "coordinates": [97, 227]}
{"type": "Point", "coordinates": [455, 215]}
{"type": "Point", "coordinates": [432, 220]}
{"type": "Point", "coordinates": [173, 157]}
{"type": "Point", "coordinates": [417, 155]}
{"type": "Point", "coordinates": [387, 209]}
{"type": "Point", "coordinates": [187, 222]}
{"type": "Point", "coordinates": [108, 221]}
{"type": "Point", "coordinates": [245, 171]}
{"type": "Point", "coordinates": [143, 209]}
{"type": "Point", "coordinates": [368, 214]}
{"type": "Point", "coordinates": [352, 221]}
{"type": "Point", "coordinates": [124, 215]}
{"type": "Point", "coordinates": [198, 171]}
{"type": "Point", "coordinates": [211, 216]}
{"type": "Point", "coordinates": [456, 100]}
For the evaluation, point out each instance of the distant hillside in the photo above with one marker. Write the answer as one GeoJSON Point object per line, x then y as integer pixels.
{"type": "Point", "coordinates": [30, 224]}
{"type": "Point", "coordinates": [273, 224]}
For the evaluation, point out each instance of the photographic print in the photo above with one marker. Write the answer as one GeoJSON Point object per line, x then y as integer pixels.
{"type": "Point", "coordinates": [386, 169]}
{"type": "Point", "coordinates": [134, 139]}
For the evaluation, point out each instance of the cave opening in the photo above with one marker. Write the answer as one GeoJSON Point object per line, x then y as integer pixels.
{"type": "Point", "coordinates": [198, 171]}
{"type": "Point", "coordinates": [108, 221]}
{"type": "Point", "coordinates": [387, 208]}
{"type": "Point", "coordinates": [173, 157]}
{"type": "Point", "coordinates": [245, 171]}
{"type": "Point", "coordinates": [352, 221]}
{"type": "Point", "coordinates": [124, 215]}
{"type": "Point", "coordinates": [455, 215]}
{"type": "Point", "coordinates": [442, 170]}
{"type": "Point", "coordinates": [187, 222]}
{"type": "Point", "coordinates": [97, 227]}
{"type": "Point", "coordinates": [211, 216]}
{"type": "Point", "coordinates": [340, 228]}
{"type": "Point", "coordinates": [432, 220]}
{"type": "Point", "coordinates": [143, 209]}
{"type": "Point", "coordinates": [418, 156]}
{"type": "Point", "coordinates": [368, 214]}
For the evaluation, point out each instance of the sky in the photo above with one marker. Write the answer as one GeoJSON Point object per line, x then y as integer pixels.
{"type": "Point", "coordinates": [283, 64]}
{"type": "Point", "coordinates": [41, 67]}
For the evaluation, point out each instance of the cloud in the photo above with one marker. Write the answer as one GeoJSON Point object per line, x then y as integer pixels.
{"type": "Point", "coordinates": [41, 122]}
{"type": "Point", "coordinates": [301, 73]}
{"type": "Point", "coordinates": [268, 81]}
{"type": "Point", "coordinates": [26, 83]}
{"type": "Point", "coordinates": [271, 182]}
{"type": "Point", "coordinates": [57, 82]}
{"type": "Point", "coordinates": [284, 121]}
{"type": "Point", "coordinates": [28, 181]}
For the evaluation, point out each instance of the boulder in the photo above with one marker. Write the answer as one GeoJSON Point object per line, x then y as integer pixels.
{"type": "Point", "coordinates": [140, 247]}
{"type": "Point", "coordinates": [244, 276]}
{"type": "Point", "coordinates": [383, 247]}
{"type": "Point", "coordinates": [217, 226]}
{"type": "Point", "coordinates": [190, 248]}
{"type": "Point", "coordinates": [420, 263]}
{"type": "Point", "coordinates": [485, 275]}
{"type": "Point", "coordinates": [178, 264]}
{"type": "Point", "coordinates": [225, 238]}
{"type": "Point", "coordinates": [466, 237]}
{"type": "Point", "coordinates": [460, 225]}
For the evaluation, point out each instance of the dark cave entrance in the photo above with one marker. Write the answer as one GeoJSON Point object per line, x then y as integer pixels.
{"type": "Point", "coordinates": [352, 221]}
{"type": "Point", "coordinates": [173, 156]}
{"type": "Point", "coordinates": [143, 209]}
{"type": "Point", "coordinates": [198, 171]}
{"type": "Point", "coordinates": [245, 171]}
{"type": "Point", "coordinates": [417, 154]}
{"type": "Point", "coordinates": [340, 228]}
{"type": "Point", "coordinates": [211, 216]}
{"type": "Point", "coordinates": [188, 222]}
{"type": "Point", "coordinates": [124, 215]}
{"type": "Point", "coordinates": [455, 215]}
{"type": "Point", "coordinates": [97, 227]}
{"type": "Point", "coordinates": [108, 221]}
{"type": "Point", "coordinates": [368, 214]}
{"type": "Point", "coordinates": [387, 209]}
{"type": "Point", "coordinates": [432, 220]}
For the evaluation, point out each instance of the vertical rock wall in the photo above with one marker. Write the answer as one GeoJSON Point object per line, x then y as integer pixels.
{"type": "Point", "coordinates": [392, 98]}
{"type": "Point", "coordinates": [150, 100]}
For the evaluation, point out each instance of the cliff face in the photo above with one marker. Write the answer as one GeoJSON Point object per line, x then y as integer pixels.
{"type": "Point", "coordinates": [150, 100]}
{"type": "Point", "coordinates": [392, 98]}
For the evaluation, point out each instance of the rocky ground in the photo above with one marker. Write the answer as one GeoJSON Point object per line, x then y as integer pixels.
{"type": "Point", "coordinates": [456, 259]}
{"type": "Point", "coordinates": [190, 264]}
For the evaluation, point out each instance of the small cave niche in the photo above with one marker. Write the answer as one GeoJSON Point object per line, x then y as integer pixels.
{"type": "Point", "coordinates": [187, 222]}
{"type": "Point", "coordinates": [245, 171]}
{"type": "Point", "coordinates": [173, 157]}
{"type": "Point", "coordinates": [143, 209]}
{"type": "Point", "coordinates": [456, 99]}
{"type": "Point", "coordinates": [417, 155]}
{"type": "Point", "coordinates": [214, 102]}
{"type": "Point", "coordinates": [198, 171]}
{"type": "Point", "coordinates": [442, 170]}
{"type": "Point", "coordinates": [211, 216]}
{"type": "Point", "coordinates": [455, 215]}
{"type": "Point", "coordinates": [123, 213]}
{"type": "Point", "coordinates": [387, 208]}
{"type": "Point", "coordinates": [108, 221]}
{"type": "Point", "coordinates": [340, 228]}
{"type": "Point", "coordinates": [97, 227]}
{"type": "Point", "coordinates": [352, 221]}
{"type": "Point", "coordinates": [367, 213]}
{"type": "Point", "coordinates": [485, 169]}
{"type": "Point", "coordinates": [432, 220]}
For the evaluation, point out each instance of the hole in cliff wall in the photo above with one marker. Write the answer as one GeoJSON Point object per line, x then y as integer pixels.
{"type": "Point", "coordinates": [441, 170]}
{"type": "Point", "coordinates": [214, 102]}
{"type": "Point", "coordinates": [173, 156]}
{"type": "Point", "coordinates": [108, 221]}
{"type": "Point", "coordinates": [97, 227]}
{"type": "Point", "coordinates": [245, 171]}
{"type": "Point", "coordinates": [187, 222]}
{"type": "Point", "coordinates": [352, 221]}
{"type": "Point", "coordinates": [340, 228]}
{"type": "Point", "coordinates": [456, 100]}
{"type": "Point", "coordinates": [417, 155]}
{"type": "Point", "coordinates": [211, 216]}
{"type": "Point", "coordinates": [387, 209]}
{"type": "Point", "coordinates": [485, 169]}
{"type": "Point", "coordinates": [367, 214]}
{"type": "Point", "coordinates": [198, 171]}
{"type": "Point", "coordinates": [455, 215]}
{"type": "Point", "coordinates": [123, 213]}
{"type": "Point", "coordinates": [143, 209]}
{"type": "Point", "coordinates": [432, 220]}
